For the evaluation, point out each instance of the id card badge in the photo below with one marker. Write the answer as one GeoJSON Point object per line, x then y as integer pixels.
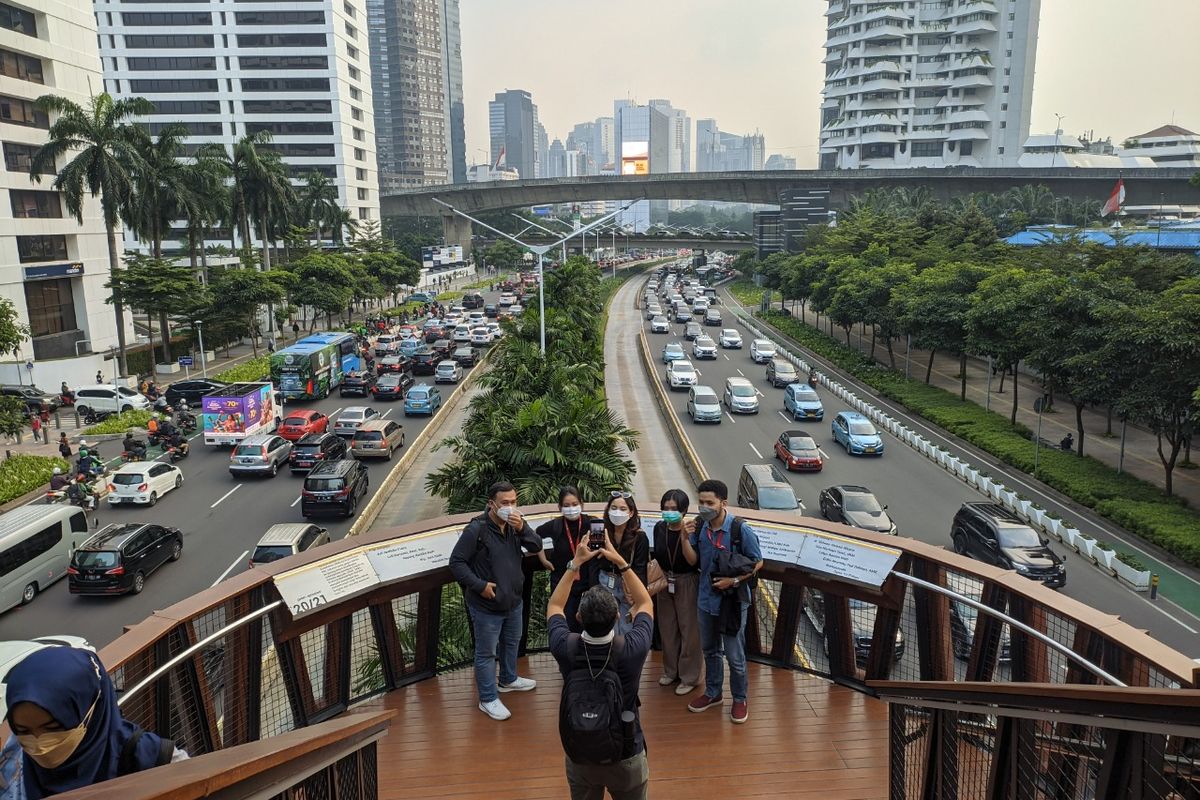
{"type": "Point", "coordinates": [670, 583]}
{"type": "Point", "coordinates": [609, 580]}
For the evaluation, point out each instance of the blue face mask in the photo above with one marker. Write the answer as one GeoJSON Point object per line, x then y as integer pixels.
{"type": "Point", "coordinates": [672, 517]}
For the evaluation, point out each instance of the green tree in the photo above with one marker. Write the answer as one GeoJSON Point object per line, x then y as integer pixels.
{"type": "Point", "coordinates": [933, 306]}
{"type": "Point", "coordinates": [209, 199]}
{"type": "Point", "coordinates": [245, 291]}
{"type": "Point", "coordinates": [153, 285]}
{"type": "Point", "coordinates": [13, 416]}
{"type": "Point", "coordinates": [101, 142]}
{"type": "Point", "coordinates": [12, 331]}
{"type": "Point", "coordinates": [324, 282]}
{"type": "Point", "coordinates": [504, 256]}
{"type": "Point", "coordinates": [319, 203]}
{"type": "Point", "coordinates": [999, 306]}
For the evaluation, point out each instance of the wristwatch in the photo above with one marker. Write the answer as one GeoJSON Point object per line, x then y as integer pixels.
{"type": "Point", "coordinates": [571, 565]}
{"type": "Point", "coordinates": [625, 568]}
{"type": "Point", "coordinates": [736, 581]}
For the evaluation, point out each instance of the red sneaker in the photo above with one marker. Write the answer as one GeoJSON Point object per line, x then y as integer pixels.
{"type": "Point", "coordinates": [739, 713]}
{"type": "Point", "coordinates": [704, 702]}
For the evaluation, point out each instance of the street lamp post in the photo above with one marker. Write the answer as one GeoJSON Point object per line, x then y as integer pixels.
{"type": "Point", "coordinates": [1057, 133]}
{"type": "Point", "coordinates": [199, 323]}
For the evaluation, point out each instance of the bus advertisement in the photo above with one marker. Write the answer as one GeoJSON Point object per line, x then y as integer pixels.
{"type": "Point", "coordinates": [314, 366]}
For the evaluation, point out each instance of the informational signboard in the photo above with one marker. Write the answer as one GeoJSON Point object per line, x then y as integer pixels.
{"type": "Point", "coordinates": [635, 158]}
{"type": "Point", "coordinates": [308, 588]}
{"type": "Point", "coordinates": [412, 555]}
{"type": "Point", "coordinates": [185, 361]}
{"type": "Point", "coordinates": [850, 559]}
{"type": "Point", "coordinates": [441, 257]}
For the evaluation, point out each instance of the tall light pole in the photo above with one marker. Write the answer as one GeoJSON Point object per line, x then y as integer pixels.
{"type": "Point", "coordinates": [1057, 133]}
{"type": "Point", "coordinates": [547, 230]}
{"type": "Point", "coordinates": [199, 323]}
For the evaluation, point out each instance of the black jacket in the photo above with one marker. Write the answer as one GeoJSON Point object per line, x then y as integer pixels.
{"type": "Point", "coordinates": [635, 549]}
{"type": "Point", "coordinates": [555, 530]}
{"type": "Point", "coordinates": [667, 544]}
{"type": "Point", "coordinates": [486, 554]}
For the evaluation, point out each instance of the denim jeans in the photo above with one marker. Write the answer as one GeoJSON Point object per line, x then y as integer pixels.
{"type": "Point", "coordinates": [733, 648]}
{"type": "Point", "coordinates": [492, 630]}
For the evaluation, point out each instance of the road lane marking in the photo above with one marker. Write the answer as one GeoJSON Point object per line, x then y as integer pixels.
{"type": "Point", "coordinates": [297, 500]}
{"type": "Point", "coordinates": [231, 491]}
{"type": "Point", "coordinates": [229, 569]}
{"type": "Point", "coordinates": [335, 413]}
{"type": "Point", "coordinates": [739, 372]}
{"type": "Point", "coordinates": [760, 394]}
{"type": "Point", "coordinates": [755, 449]}
{"type": "Point", "coordinates": [785, 416]}
{"type": "Point", "coordinates": [731, 419]}
{"type": "Point", "coordinates": [726, 357]}
{"type": "Point", "coordinates": [384, 414]}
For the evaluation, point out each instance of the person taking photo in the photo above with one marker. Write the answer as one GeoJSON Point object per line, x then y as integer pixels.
{"type": "Point", "coordinates": [560, 539]}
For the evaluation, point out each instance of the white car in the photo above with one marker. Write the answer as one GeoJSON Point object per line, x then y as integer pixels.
{"type": "Point", "coordinates": [660, 325]}
{"type": "Point", "coordinates": [515, 309]}
{"type": "Point", "coordinates": [142, 482]}
{"type": "Point", "coordinates": [462, 334]}
{"type": "Point", "coordinates": [495, 330]}
{"type": "Point", "coordinates": [731, 339]}
{"type": "Point", "coordinates": [681, 374]}
{"type": "Point", "coordinates": [704, 347]}
{"type": "Point", "coordinates": [107, 397]}
{"type": "Point", "coordinates": [740, 396]}
{"type": "Point", "coordinates": [507, 299]}
{"type": "Point", "coordinates": [480, 335]}
{"type": "Point", "coordinates": [476, 318]}
{"type": "Point", "coordinates": [348, 421]}
{"type": "Point", "coordinates": [448, 372]}
{"type": "Point", "coordinates": [762, 351]}
{"type": "Point", "coordinates": [653, 311]}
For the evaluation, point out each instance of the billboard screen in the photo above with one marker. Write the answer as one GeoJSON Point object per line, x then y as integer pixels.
{"type": "Point", "coordinates": [635, 158]}
{"type": "Point", "coordinates": [439, 257]}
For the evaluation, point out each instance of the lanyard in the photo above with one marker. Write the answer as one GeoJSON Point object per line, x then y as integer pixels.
{"type": "Point", "coordinates": [673, 555]}
{"type": "Point", "coordinates": [720, 537]}
{"type": "Point", "coordinates": [573, 540]}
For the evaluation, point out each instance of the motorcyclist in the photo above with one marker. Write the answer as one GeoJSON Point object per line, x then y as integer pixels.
{"type": "Point", "coordinates": [65, 391]}
{"type": "Point", "coordinates": [58, 481]}
{"type": "Point", "coordinates": [160, 403]}
{"type": "Point", "coordinates": [88, 465]}
{"type": "Point", "coordinates": [134, 446]}
{"type": "Point", "coordinates": [166, 427]}
{"type": "Point", "coordinates": [1067, 442]}
{"type": "Point", "coordinates": [179, 442]}
{"type": "Point", "coordinates": [185, 417]}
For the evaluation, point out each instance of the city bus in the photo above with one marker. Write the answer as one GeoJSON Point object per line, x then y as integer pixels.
{"type": "Point", "coordinates": [36, 543]}
{"type": "Point", "coordinates": [314, 366]}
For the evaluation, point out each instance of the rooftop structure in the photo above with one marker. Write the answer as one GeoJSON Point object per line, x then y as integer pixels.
{"type": "Point", "coordinates": [1060, 150]}
{"type": "Point", "coordinates": [1167, 145]}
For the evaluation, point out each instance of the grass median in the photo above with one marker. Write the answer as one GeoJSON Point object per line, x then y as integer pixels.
{"type": "Point", "coordinates": [21, 474]}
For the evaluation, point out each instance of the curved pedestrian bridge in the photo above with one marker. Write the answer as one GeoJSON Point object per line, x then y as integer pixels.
{"type": "Point", "coordinates": [882, 668]}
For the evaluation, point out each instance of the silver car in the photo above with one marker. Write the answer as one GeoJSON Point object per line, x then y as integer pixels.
{"type": "Point", "coordinates": [731, 339]}
{"type": "Point", "coordinates": [262, 454]}
{"type": "Point", "coordinates": [448, 372]}
{"type": "Point", "coordinates": [349, 420]}
{"type": "Point", "coordinates": [704, 347]}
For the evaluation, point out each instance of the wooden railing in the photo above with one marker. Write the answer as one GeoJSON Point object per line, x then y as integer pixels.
{"type": "Point", "coordinates": [277, 673]}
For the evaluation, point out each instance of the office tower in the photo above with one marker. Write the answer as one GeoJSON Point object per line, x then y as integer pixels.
{"type": "Point", "coordinates": [605, 147]}
{"type": "Point", "coordinates": [643, 137]}
{"type": "Point", "coordinates": [301, 73]}
{"type": "Point", "coordinates": [718, 151]}
{"type": "Point", "coordinates": [512, 119]}
{"type": "Point", "coordinates": [556, 167]}
{"type": "Point", "coordinates": [52, 268]}
{"type": "Point", "coordinates": [452, 63]}
{"type": "Point", "coordinates": [779, 161]}
{"type": "Point", "coordinates": [927, 84]}
{"type": "Point", "coordinates": [542, 150]}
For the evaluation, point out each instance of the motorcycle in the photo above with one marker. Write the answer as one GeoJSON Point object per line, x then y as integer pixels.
{"type": "Point", "coordinates": [91, 417]}
{"type": "Point", "coordinates": [66, 400]}
{"type": "Point", "coordinates": [176, 453]}
{"type": "Point", "coordinates": [186, 422]}
{"type": "Point", "coordinates": [53, 496]}
{"type": "Point", "coordinates": [129, 456]}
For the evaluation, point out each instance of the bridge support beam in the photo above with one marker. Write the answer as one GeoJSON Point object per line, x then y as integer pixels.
{"type": "Point", "coordinates": [456, 230]}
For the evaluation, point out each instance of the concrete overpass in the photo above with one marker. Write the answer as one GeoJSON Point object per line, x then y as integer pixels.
{"type": "Point", "coordinates": [624, 242]}
{"type": "Point", "coordinates": [1142, 187]}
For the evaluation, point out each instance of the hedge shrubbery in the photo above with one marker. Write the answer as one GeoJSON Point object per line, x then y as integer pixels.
{"type": "Point", "coordinates": [256, 369]}
{"type": "Point", "coordinates": [21, 474]}
{"type": "Point", "coordinates": [1136, 505]}
{"type": "Point", "coordinates": [120, 423]}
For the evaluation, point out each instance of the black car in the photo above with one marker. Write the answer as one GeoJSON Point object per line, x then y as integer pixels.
{"type": "Point", "coordinates": [491, 311]}
{"type": "Point", "coordinates": [692, 331]}
{"type": "Point", "coordinates": [862, 618]}
{"type": "Point", "coordinates": [472, 300]}
{"type": "Point", "coordinates": [963, 619]}
{"type": "Point", "coordinates": [357, 384]}
{"type": "Point", "coordinates": [466, 355]}
{"type": "Point", "coordinates": [857, 507]}
{"type": "Point", "coordinates": [991, 533]}
{"type": "Point", "coordinates": [118, 558]}
{"type": "Point", "coordinates": [393, 363]}
{"type": "Point", "coordinates": [424, 362]}
{"type": "Point", "coordinates": [442, 348]}
{"type": "Point", "coordinates": [392, 386]}
{"type": "Point", "coordinates": [314, 449]}
{"type": "Point", "coordinates": [334, 487]}
{"type": "Point", "coordinates": [192, 390]}
{"type": "Point", "coordinates": [781, 373]}
{"type": "Point", "coordinates": [32, 396]}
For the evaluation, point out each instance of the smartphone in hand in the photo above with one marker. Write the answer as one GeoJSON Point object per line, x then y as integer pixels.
{"type": "Point", "coordinates": [596, 535]}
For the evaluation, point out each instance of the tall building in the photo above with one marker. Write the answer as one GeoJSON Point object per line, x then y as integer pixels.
{"type": "Point", "coordinates": [512, 122]}
{"type": "Point", "coordinates": [557, 164]}
{"type": "Point", "coordinates": [928, 84]}
{"type": "Point", "coordinates": [1167, 145]}
{"type": "Point", "coordinates": [718, 151]}
{"type": "Point", "coordinates": [302, 73]}
{"type": "Point", "coordinates": [542, 148]}
{"type": "Point", "coordinates": [643, 141]}
{"type": "Point", "coordinates": [780, 161]}
{"type": "Point", "coordinates": [52, 268]}
{"type": "Point", "coordinates": [605, 147]}
{"type": "Point", "coordinates": [680, 157]}
{"type": "Point", "coordinates": [453, 79]}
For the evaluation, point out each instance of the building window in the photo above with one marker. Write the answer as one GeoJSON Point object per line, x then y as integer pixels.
{"type": "Point", "coordinates": [351, 31]}
{"type": "Point", "coordinates": [281, 40]}
{"type": "Point", "coordinates": [354, 73]}
{"type": "Point", "coordinates": [364, 213]}
{"type": "Point", "coordinates": [291, 128]}
{"type": "Point", "coordinates": [355, 94]}
{"type": "Point", "coordinates": [352, 52]}
{"type": "Point", "coordinates": [280, 17]}
{"type": "Point", "coordinates": [926, 149]}
{"type": "Point", "coordinates": [21, 67]}
{"type": "Point", "coordinates": [349, 9]}
{"type": "Point", "coordinates": [363, 194]}
{"type": "Point", "coordinates": [18, 20]}
{"type": "Point", "coordinates": [358, 134]}
{"type": "Point", "coordinates": [300, 149]}
{"type": "Point", "coordinates": [168, 41]}
{"type": "Point", "coordinates": [153, 63]}
{"type": "Point", "coordinates": [16, 111]}
{"type": "Point", "coordinates": [356, 113]}
{"type": "Point", "coordinates": [1003, 124]}
{"type": "Point", "coordinates": [193, 128]}
{"type": "Point", "coordinates": [165, 19]}
{"type": "Point", "coordinates": [173, 107]}
{"type": "Point", "coordinates": [33, 204]}
{"type": "Point", "coordinates": [41, 248]}
{"type": "Point", "coordinates": [51, 307]}
{"type": "Point", "coordinates": [360, 173]}
{"type": "Point", "coordinates": [1000, 151]}
{"type": "Point", "coordinates": [19, 158]}
{"type": "Point", "coordinates": [966, 148]}
{"type": "Point", "coordinates": [1004, 106]}
{"type": "Point", "coordinates": [1005, 89]}
{"type": "Point", "coordinates": [283, 62]}
{"type": "Point", "coordinates": [360, 154]}
{"type": "Point", "coordinates": [287, 106]}
{"type": "Point", "coordinates": [174, 85]}
{"type": "Point", "coordinates": [285, 84]}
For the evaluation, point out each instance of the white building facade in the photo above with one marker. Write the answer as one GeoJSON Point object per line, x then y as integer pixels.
{"type": "Point", "coordinates": [1167, 146]}
{"type": "Point", "coordinates": [299, 70]}
{"type": "Point", "coordinates": [52, 268]}
{"type": "Point", "coordinates": [927, 84]}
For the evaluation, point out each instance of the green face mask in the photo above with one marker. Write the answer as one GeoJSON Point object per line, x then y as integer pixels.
{"type": "Point", "coordinates": [672, 517]}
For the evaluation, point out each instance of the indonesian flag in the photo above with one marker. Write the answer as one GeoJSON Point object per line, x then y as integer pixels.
{"type": "Point", "coordinates": [1115, 200]}
{"type": "Point", "coordinates": [500, 159]}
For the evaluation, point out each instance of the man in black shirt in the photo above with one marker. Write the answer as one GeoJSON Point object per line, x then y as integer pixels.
{"type": "Point", "coordinates": [487, 563]}
{"type": "Point", "coordinates": [627, 779]}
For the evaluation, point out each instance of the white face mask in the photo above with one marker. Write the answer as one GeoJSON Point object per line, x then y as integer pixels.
{"type": "Point", "coordinates": [618, 517]}
{"type": "Point", "coordinates": [504, 512]}
{"type": "Point", "coordinates": [572, 512]}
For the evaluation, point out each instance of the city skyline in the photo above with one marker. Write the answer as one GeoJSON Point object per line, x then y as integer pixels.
{"type": "Point", "coordinates": [734, 67]}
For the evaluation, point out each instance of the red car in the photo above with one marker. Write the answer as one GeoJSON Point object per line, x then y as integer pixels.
{"type": "Point", "coordinates": [301, 422]}
{"type": "Point", "coordinates": [798, 450]}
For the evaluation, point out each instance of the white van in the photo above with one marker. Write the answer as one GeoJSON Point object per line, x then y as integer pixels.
{"type": "Point", "coordinates": [109, 397]}
{"type": "Point", "coordinates": [36, 543]}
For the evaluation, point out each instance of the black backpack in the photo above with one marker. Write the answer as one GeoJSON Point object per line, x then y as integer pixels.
{"type": "Point", "coordinates": [127, 759]}
{"type": "Point", "coordinates": [589, 714]}
{"type": "Point", "coordinates": [736, 541]}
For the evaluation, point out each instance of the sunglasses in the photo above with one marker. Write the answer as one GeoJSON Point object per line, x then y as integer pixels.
{"type": "Point", "coordinates": [618, 493]}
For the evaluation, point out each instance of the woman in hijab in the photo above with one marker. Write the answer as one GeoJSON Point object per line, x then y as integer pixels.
{"type": "Point", "coordinates": [63, 710]}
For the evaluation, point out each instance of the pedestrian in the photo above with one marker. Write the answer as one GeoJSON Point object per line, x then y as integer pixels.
{"type": "Point", "coordinates": [487, 563]}
{"type": "Point", "coordinates": [598, 719]}
{"type": "Point", "coordinates": [720, 543]}
{"type": "Point", "coordinates": [99, 376]}
{"type": "Point", "coordinates": [678, 612]}
{"type": "Point", "coordinates": [35, 423]}
{"type": "Point", "coordinates": [560, 538]}
{"type": "Point", "coordinates": [62, 707]}
{"type": "Point", "coordinates": [295, 329]}
{"type": "Point", "coordinates": [64, 446]}
{"type": "Point", "coordinates": [622, 527]}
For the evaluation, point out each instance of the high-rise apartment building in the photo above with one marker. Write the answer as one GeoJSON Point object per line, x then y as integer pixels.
{"type": "Point", "coordinates": [927, 84]}
{"type": "Point", "coordinates": [605, 148]}
{"type": "Point", "coordinates": [512, 123]}
{"type": "Point", "coordinates": [780, 161]}
{"type": "Point", "coordinates": [452, 63]}
{"type": "Point", "coordinates": [718, 151]}
{"type": "Point", "coordinates": [52, 268]}
{"type": "Point", "coordinates": [299, 71]}
{"type": "Point", "coordinates": [680, 156]}
{"type": "Point", "coordinates": [643, 143]}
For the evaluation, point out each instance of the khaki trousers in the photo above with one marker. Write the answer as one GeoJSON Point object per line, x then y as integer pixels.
{"type": "Point", "coordinates": [679, 627]}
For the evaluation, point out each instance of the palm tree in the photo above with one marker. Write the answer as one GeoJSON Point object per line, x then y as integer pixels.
{"type": "Point", "coordinates": [205, 178]}
{"type": "Point", "coordinates": [319, 202]}
{"type": "Point", "coordinates": [342, 222]}
{"type": "Point", "coordinates": [261, 193]}
{"type": "Point", "coordinates": [104, 143]}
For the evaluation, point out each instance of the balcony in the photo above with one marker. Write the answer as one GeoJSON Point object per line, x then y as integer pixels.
{"type": "Point", "coordinates": [256, 677]}
{"type": "Point", "coordinates": [970, 81]}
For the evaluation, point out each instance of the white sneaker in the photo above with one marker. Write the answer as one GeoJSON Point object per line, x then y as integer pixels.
{"type": "Point", "coordinates": [519, 685]}
{"type": "Point", "coordinates": [665, 681]}
{"type": "Point", "coordinates": [496, 710]}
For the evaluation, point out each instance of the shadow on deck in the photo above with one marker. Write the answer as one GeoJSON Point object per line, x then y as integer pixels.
{"type": "Point", "coordinates": [806, 738]}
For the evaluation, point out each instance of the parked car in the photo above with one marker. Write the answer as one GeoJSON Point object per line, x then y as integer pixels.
{"type": "Point", "coordinates": [261, 454]}
{"type": "Point", "coordinates": [740, 396]}
{"type": "Point", "coordinates": [31, 396]}
{"type": "Point", "coordinates": [286, 539]}
{"type": "Point", "coordinates": [118, 559]}
{"type": "Point", "coordinates": [704, 347]}
{"type": "Point", "coordinates": [422, 399]}
{"type": "Point", "coordinates": [681, 374]}
{"type": "Point", "coordinates": [660, 324]}
{"type": "Point", "coordinates": [799, 451]}
{"type": "Point", "coordinates": [422, 297]}
{"type": "Point", "coordinates": [762, 351]}
{"type": "Point", "coordinates": [994, 535]}
{"type": "Point", "coordinates": [801, 401]}
{"type": "Point", "coordinates": [351, 417]}
{"type": "Point", "coordinates": [357, 384]}
{"type": "Point", "coordinates": [731, 339]}
{"type": "Point", "coordinates": [314, 449]}
{"type": "Point", "coordinates": [424, 363]}
{"type": "Point", "coordinates": [378, 438]}
{"type": "Point", "coordinates": [142, 482]}
{"type": "Point", "coordinates": [191, 390]}
{"type": "Point", "coordinates": [703, 405]}
{"type": "Point", "coordinates": [448, 371]}
{"type": "Point", "coordinates": [855, 432]}
{"type": "Point", "coordinates": [857, 507]}
{"type": "Point", "coordinates": [781, 373]}
{"type": "Point", "coordinates": [300, 422]}
{"type": "Point", "coordinates": [109, 397]}
{"type": "Point", "coordinates": [672, 351]}
{"type": "Point", "coordinates": [466, 355]}
{"type": "Point", "coordinates": [392, 386]}
{"type": "Point", "coordinates": [862, 619]}
{"type": "Point", "coordinates": [334, 487]}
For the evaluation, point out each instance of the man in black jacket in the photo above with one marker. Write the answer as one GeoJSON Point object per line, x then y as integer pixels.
{"type": "Point", "coordinates": [486, 562]}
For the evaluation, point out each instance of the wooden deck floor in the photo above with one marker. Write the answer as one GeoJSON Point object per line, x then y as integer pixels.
{"type": "Point", "coordinates": [805, 739]}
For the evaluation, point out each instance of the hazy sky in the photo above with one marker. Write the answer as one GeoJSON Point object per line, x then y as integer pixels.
{"type": "Point", "coordinates": [1111, 66]}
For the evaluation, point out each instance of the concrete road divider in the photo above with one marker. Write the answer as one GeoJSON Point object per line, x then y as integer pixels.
{"type": "Point", "coordinates": [691, 461]}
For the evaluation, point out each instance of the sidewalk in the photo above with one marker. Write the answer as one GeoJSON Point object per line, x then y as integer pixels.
{"type": "Point", "coordinates": [1141, 456]}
